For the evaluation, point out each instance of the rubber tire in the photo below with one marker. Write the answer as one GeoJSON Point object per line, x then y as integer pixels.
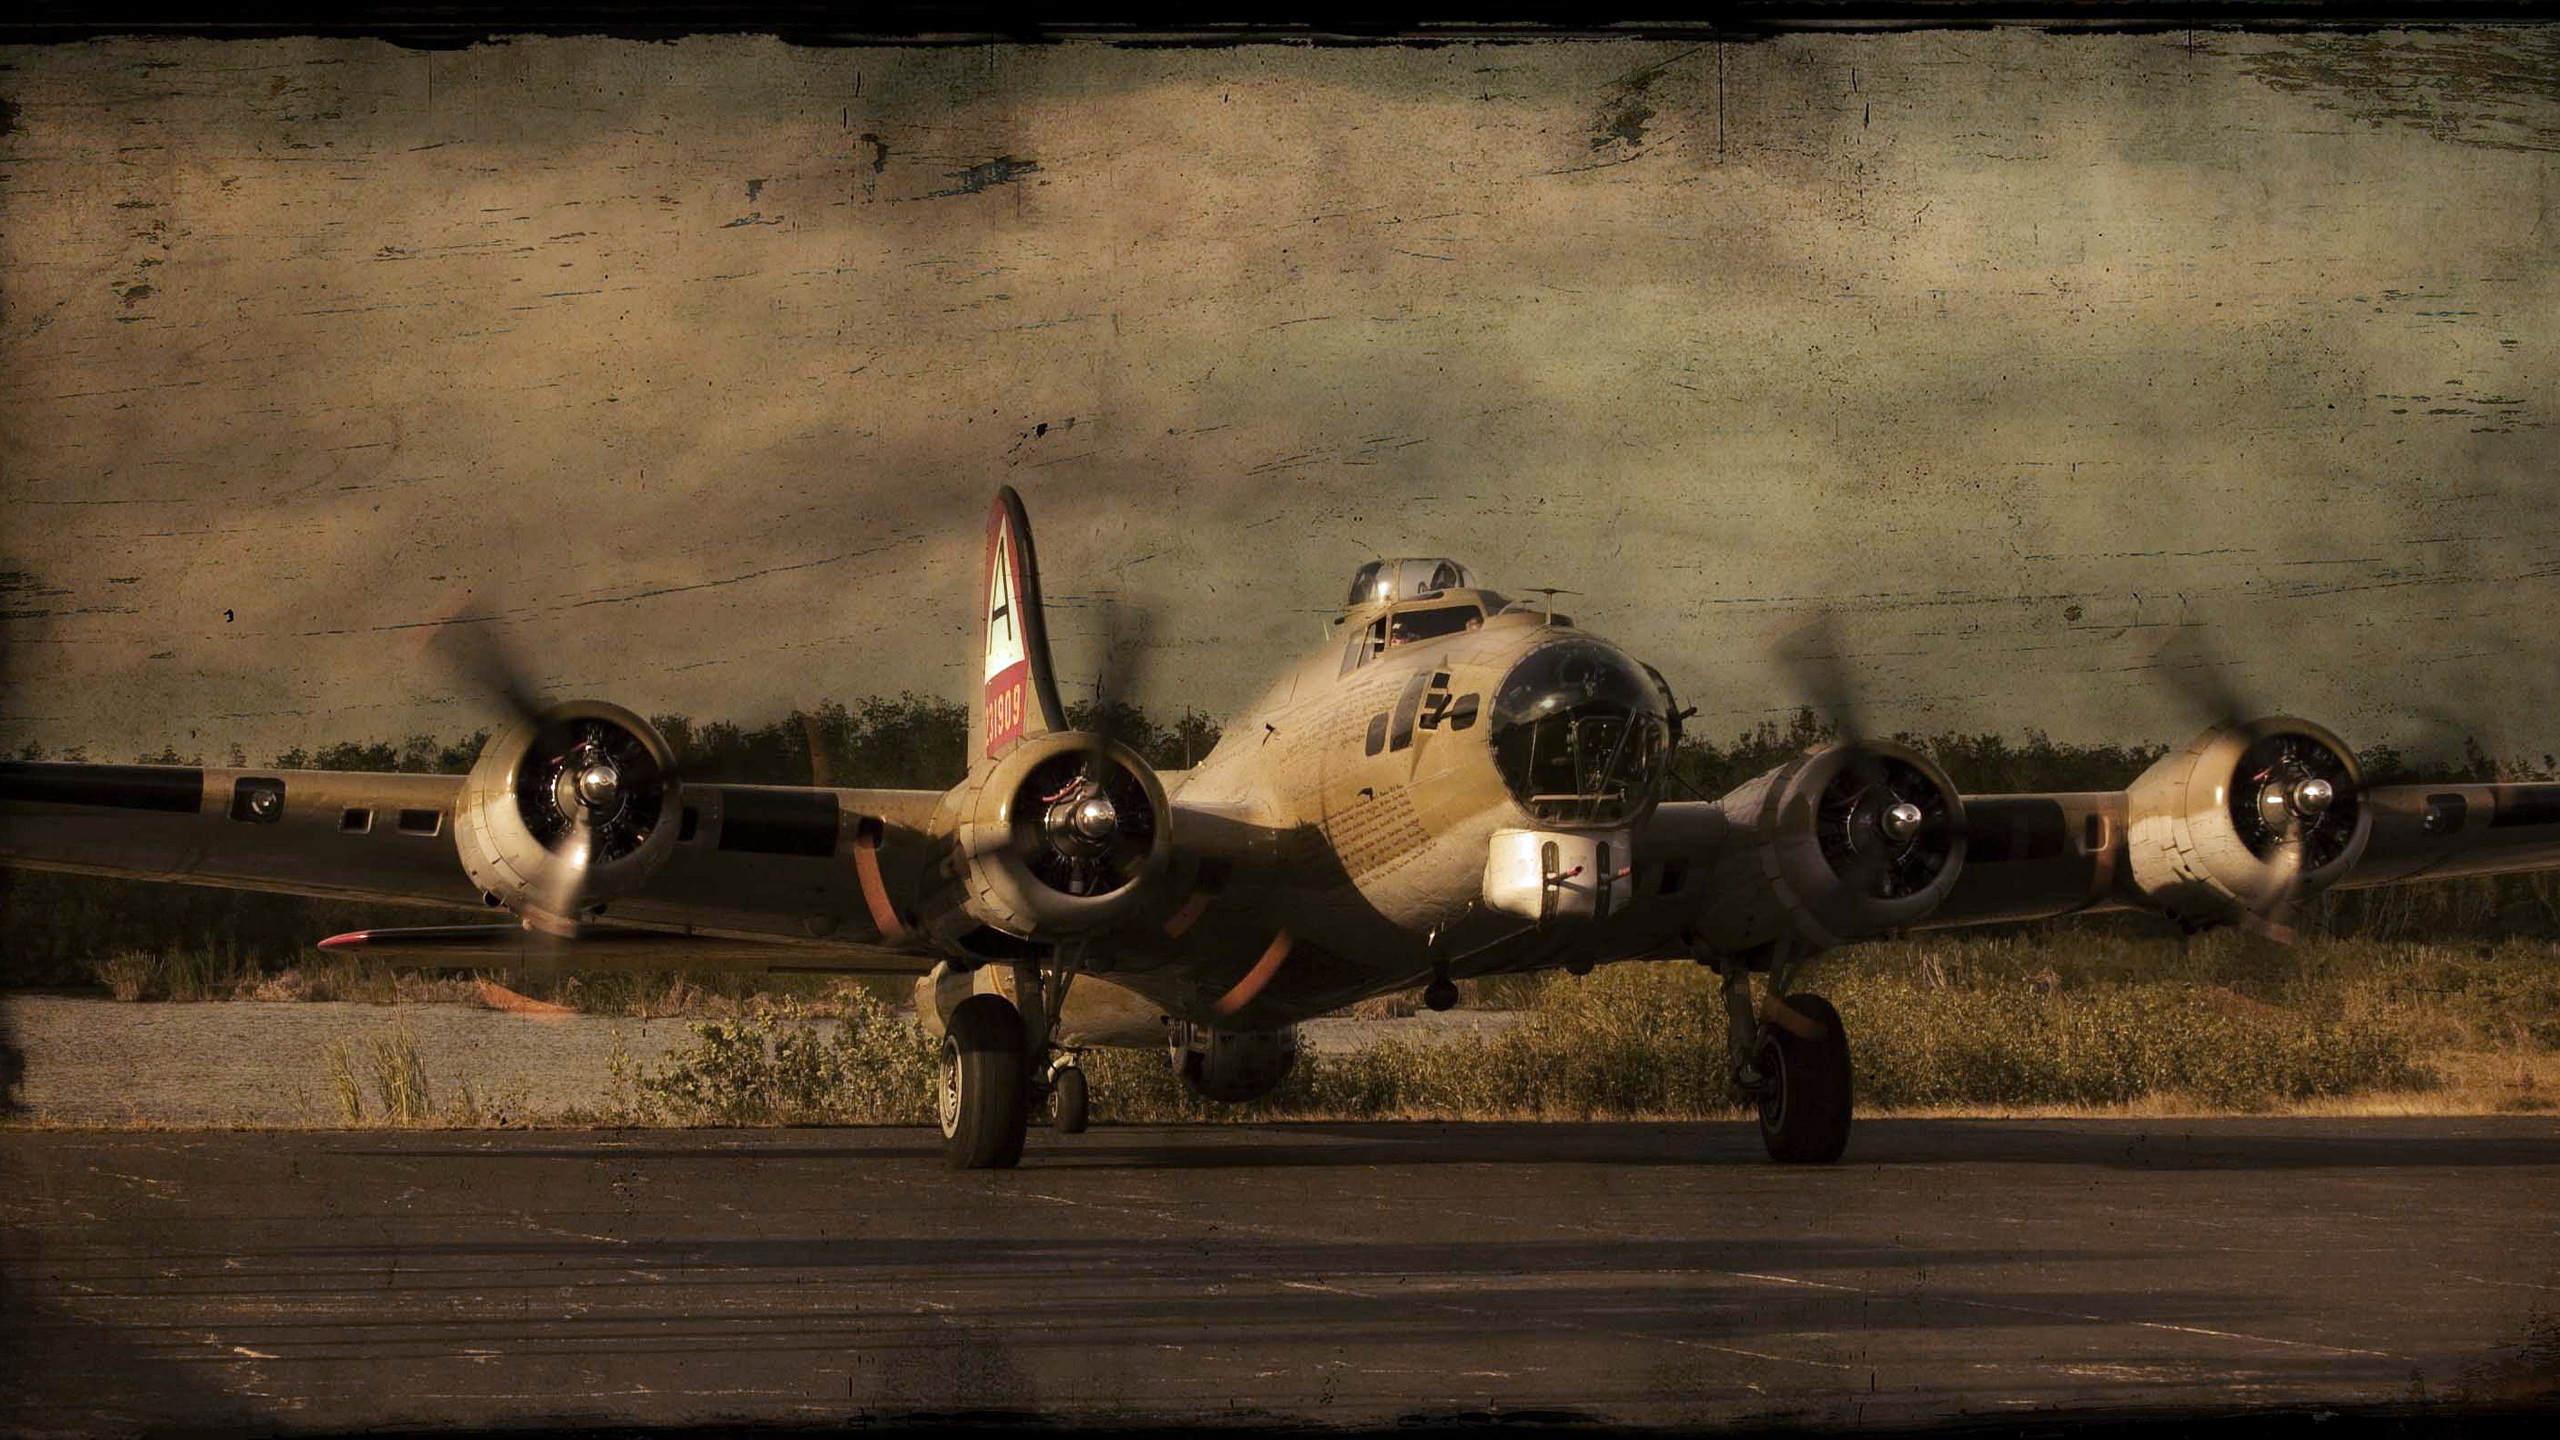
{"type": "Point", "coordinates": [1072, 1099]}
{"type": "Point", "coordinates": [1804, 1118]}
{"type": "Point", "coordinates": [983, 1052]}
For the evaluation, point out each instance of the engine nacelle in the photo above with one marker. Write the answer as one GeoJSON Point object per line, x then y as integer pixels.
{"type": "Point", "coordinates": [1232, 1066]}
{"type": "Point", "coordinates": [1844, 842]}
{"type": "Point", "coordinates": [1058, 839]}
{"type": "Point", "coordinates": [2244, 820]}
{"type": "Point", "coordinates": [565, 811]}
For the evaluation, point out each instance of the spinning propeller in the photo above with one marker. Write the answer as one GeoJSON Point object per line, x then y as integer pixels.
{"type": "Point", "coordinates": [1091, 823]}
{"type": "Point", "coordinates": [2294, 796]}
{"type": "Point", "coordinates": [1885, 827]}
{"type": "Point", "coordinates": [589, 788]}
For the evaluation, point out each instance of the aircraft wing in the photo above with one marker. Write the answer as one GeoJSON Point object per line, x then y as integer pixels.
{"type": "Point", "coordinates": [2239, 826]}
{"type": "Point", "coordinates": [2034, 856]}
{"type": "Point", "coordinates": [805, 866]}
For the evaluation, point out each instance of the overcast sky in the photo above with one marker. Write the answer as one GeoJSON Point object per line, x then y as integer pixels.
{"type": "Point", "coordinates": [696, 363]}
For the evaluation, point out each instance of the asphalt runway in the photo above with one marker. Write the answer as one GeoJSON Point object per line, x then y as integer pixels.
{"type": "Point", "coordinates": [1355, 1274]}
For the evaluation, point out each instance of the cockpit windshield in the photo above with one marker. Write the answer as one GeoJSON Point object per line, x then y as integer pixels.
{"type": "Point", "coordinates": [1581, 734]}
{"type": "Point", "coordinates": [1407, 626]}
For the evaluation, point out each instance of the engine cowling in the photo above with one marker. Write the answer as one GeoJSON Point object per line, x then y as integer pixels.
{"type": "Point", "coordinates": [2246, 820]}
{"type": "Point", "coordinates": [1232, 1066]}
{"type": "Point", "coordinates": [567, 810]}
{"type": "Point", "coordinates": [1844, 841]}
{"type": "Point", "coordinates": [1060, 838]}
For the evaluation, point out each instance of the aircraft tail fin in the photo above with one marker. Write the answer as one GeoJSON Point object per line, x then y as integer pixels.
{"type": "Point", "coordinates": [1020, 698]}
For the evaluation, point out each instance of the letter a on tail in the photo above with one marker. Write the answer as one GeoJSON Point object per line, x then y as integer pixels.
{"type": "Point", "coordinates": [1021, 697]}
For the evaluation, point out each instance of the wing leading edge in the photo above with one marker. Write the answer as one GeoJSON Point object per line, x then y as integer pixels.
{"type": "Point", "coordinates": [807, 867]}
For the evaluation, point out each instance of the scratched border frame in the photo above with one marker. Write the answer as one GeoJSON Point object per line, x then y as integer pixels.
{"type": "Point", "coordinates": [932, 23]}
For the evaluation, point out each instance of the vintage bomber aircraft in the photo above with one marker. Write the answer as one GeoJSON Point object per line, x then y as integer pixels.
{"type": "Point", "coordinates": [1456, 785]}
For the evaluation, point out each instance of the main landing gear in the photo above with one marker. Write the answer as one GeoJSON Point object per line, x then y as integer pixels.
{"type": "Point", "coordinates": [985, 1096]}
{"type": "Point", "coordinates": [996, 1069]}
{"type": "Point", "coordinates": [1792, 1061]}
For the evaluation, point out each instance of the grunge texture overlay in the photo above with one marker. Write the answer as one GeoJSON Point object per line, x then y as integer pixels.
{"type": "Point", "coordinates": [691, 365]}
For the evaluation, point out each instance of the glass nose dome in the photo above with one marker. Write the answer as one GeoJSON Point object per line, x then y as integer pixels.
{"type": "Point", "coordinates": [1581, 733]}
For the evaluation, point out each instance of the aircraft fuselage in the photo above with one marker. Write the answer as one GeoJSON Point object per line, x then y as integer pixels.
{"type": "Point", "coordinates": [1371, 777]}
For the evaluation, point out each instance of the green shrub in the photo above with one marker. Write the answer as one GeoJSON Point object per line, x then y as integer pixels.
{"type": "Point", "coordinates": [875, 1069]}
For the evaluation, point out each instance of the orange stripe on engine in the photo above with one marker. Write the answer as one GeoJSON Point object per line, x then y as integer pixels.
{"type": "Point", "coordinates": [1254, 979]}
{"type": "Point", "coordinates": [875, 895]}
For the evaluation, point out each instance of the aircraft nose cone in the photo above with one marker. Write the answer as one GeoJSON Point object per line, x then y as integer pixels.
{"type": "Point", "coordinates": [598, 786]}
{"type": "Point", "coordinates": [1902, 821]}
{"type": "Point", "coordinates": [2313, 796]}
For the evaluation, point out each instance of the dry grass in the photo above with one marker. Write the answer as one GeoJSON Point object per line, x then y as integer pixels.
{"type": "Point", "coordinates": [192, 976]}
{"type": "Point", "coordinates": [343, 1084]}
{"type": "Point", "coordinates": [206, 975]}
{"type": "Point", "coordinates": [2097, 1024]}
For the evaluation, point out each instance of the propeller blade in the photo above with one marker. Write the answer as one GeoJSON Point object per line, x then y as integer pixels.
{"type": "Point", "coordinates": [821, 764]}
{"type": "Point", "coordinates": [475, 654]}
{"type": "Point", "coordinates": [2275, 920]}
{"type": "Point", "coordinates": [2196, 670]}
{"type": "Point", "coordinates": [1820, 675]}
{"type": "Point", "coordinates": [1126, 632]}
{"type": "Point", "coordinates": [1864, 874]}
{"type": "Point", "coordinates": [1817, 665]}
{"type": "Point", "coordinates": [559, 887]}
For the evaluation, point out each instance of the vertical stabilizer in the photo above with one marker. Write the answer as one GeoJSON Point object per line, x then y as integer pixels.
{"type": "Point", "coordinates": [1021, 695]}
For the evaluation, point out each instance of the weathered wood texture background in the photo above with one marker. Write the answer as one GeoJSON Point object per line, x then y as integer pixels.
{"type": "Point", "coordinates": [697, 361]}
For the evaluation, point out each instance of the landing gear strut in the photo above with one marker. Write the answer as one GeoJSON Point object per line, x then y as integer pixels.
{"type": "Point", "coordinates": [996, 1068]}
{"type": "Point", "coordinates": [1792, 1060]}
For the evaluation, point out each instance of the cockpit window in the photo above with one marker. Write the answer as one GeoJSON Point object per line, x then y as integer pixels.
{"type": "Point", "coordinates": [1407, 626]}
{"type": "Point", "coordinates": [1581, 734]}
